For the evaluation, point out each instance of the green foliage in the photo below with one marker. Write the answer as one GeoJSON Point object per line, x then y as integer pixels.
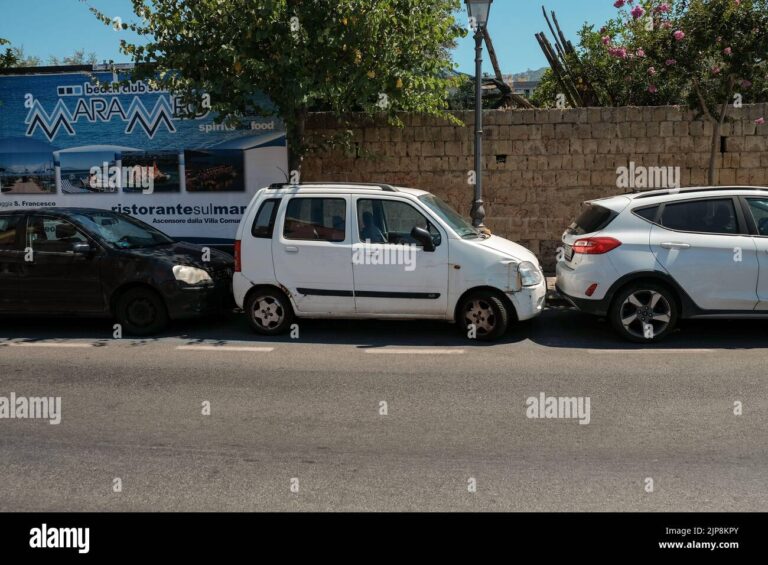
{"type": "Point", "coordinates": [637, 60]}
{"type": "Point", "coordinates": [79, 57]}
{"type": "Point", "coordinates": [374, 56]}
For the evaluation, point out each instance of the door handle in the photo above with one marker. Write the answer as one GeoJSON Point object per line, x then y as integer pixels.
{"type": "Point", "coordinates": [291, 249]}
{"type": "Point", "coordinates": [672, 245]}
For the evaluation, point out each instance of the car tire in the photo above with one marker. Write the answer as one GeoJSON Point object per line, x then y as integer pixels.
{"type": "Point", "coordinates": [487, 312]}
{"type": "Point", "coordinates": [644, 312]}
{"type": "Point", "coordinates": [141, 312]}
{"type": "Point", "coordinates": [269, 311]}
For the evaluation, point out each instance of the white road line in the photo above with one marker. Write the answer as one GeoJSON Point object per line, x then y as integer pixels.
{"type": "Point", "coordinates": [48, 344]}
{"type": "Point", "coordinates": [415, 351]}
{"type": "Point", "coordinates": [225, 348]}
{"type": "Point", "coordinates": [647, 350]}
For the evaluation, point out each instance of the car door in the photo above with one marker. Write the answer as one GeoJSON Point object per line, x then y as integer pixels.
{"type": "Point", "coordinates": [393, 273]}
{"type": "Point", "coordinates": [312, 253]}
{"type": "Point", "coordinates": [56, 279]}
{"type": "Point", "coordinates": [756, 210]}
{"type": "Point", "coordinates": [704, 245]}
{"type": "Point", "coordinates": [11, 259]}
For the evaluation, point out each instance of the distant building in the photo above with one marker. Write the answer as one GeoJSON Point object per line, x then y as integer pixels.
{"type": "Point", "coordinates": [522, 87]}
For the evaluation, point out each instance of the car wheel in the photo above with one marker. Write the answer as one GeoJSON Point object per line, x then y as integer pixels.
{"type": "Point", "coordinates": [141, 311]}
{"type": "Point", "coordinates": [644, 312]}
{"type": "Point", "coordinates": [487, 313]}
{"type": "Point", "coordinates": [269, 311]}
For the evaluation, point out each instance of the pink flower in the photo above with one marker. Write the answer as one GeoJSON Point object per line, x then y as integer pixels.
{"type": "Point", "coordinates": [746, 83]}
{"type": "Point", "coordinates": [619, 4]}
{"type": "Point", "coordinates": [679, 35]}
{"type": "Point", "coordinates": [738, 2]}
{"type": "Point", "coordinates": [663, 9]}
{"type": "Point", "coordinates": [641, 52]}
{"type": "Point", "coordinates": [620, 52]}
{"type": "Point", "coordinates": [715, 70]}
{"type": "Point", "coordinates": [666, 25]}
{"type": "Point", "coordinates": [638, 12]}
{"type": "Point", "coordinates": [728, 51]}
{"type": "Point", "coordinates": [670, 62]}
{"type": "Point", "coordinates": [652, 89]}
{"type": "Point", "coordinates": [760, 121]}
{"type": "Point", "coordinates": [652, 71]}
{"type": "Point", "coordinates": [606, 40]}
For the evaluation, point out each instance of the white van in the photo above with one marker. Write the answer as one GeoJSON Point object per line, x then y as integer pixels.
{"type": "Point", "coordinates": [376, 251]}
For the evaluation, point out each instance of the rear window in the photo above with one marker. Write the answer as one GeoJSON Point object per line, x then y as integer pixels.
{"type": "Point", "coordinates": [701, 216]}
{"type": "Point", "coordinates": [593, 218]}
{"type": "Point", "coordinates": [647, 213]}
{"type": "Point", "coordinates": [264, 224]}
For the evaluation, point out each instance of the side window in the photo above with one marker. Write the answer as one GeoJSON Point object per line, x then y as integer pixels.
{"type": "Point", "coordinates": [702, 216]}
{"type": "Point", "coordinates": [759, 209]}
{"type": "Point", "coordinates": [647, 213]}
{"type": "Point", "coordinates": [316, 219]}
{"type": "Point", "coordinates": [264, 224]}
{"type": "Point", "coordinates": [8, 231]}
{"type": "Point", "coordinates": [390, 221]}
{"type": "Point", "coordinates": [52, 235]}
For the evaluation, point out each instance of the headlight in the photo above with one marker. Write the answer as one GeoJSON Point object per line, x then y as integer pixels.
{"type": "Point", "coordinates": [191, 275]}
{"type": "Point", "coordinates": [529, 274]}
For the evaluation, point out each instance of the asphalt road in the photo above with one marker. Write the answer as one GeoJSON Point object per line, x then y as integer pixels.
{"type": "Point", "coordinates": [310, 409]}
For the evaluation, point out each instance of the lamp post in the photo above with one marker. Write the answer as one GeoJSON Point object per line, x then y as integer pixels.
{"type": "Point", "coordinates": [478, 16]}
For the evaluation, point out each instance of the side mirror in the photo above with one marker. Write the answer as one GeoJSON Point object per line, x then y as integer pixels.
{"type": "Point", "coordinates": [424, 238]}
{"type": "Point", "coordinates": [81, 249]}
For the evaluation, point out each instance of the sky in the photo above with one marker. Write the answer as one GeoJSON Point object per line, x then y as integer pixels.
{"type": "Point", "coordinates": [60, 27]}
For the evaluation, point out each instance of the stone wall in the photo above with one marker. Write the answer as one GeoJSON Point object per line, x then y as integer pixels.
{"type": "Point", "coordinates": [541, 164]}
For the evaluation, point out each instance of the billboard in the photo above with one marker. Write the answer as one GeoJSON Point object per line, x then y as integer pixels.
{"type": "Point", "coordinates": [89, 139]}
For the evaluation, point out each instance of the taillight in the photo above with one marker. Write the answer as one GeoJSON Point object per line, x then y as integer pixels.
{"type": "Point", "coordinates": [238, 257]}
{"type": "Point", "coordinates": [595, 245]}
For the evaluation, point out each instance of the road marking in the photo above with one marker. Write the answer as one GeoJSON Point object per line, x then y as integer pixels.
{"type": "Point", "coordinates": [404, 351]}
{"type": "Point", "coordinates": [234, 348]}
{"type": "Point", "coordinates": [647, 350]}
{"type": "Point", "coordinates": [48, 344]}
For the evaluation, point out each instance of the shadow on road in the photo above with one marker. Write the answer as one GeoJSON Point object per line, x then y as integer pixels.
{"type": "Point", "coordinates": [555, 328]}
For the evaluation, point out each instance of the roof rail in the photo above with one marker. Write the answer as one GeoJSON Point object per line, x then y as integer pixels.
{"type": "Point", "coordinates": [654, 193]}
{"type": "Point", "coordinates": [384, 187]}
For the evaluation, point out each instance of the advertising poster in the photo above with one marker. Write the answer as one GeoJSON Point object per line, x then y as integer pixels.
{"type": "Point", "coordinates": [86, 139]}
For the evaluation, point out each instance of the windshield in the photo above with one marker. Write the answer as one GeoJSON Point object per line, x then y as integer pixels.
{"type": "Point", "coordinates": [449, 216]}
{"type": "Point", "coordinates": [121, 231]}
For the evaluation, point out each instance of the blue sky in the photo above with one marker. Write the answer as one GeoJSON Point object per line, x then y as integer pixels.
{"type": "Point", "coordinates": [59, 27]}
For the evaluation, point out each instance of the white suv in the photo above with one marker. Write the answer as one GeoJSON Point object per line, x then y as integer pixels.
{"type": "Point", "coordinates": [376, 251]}
{"type": "Point", "coordinates": [647, 260]}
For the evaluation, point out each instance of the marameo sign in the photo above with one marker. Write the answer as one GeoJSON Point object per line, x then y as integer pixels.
{"type": "Point", "coordinates": [84, 139]}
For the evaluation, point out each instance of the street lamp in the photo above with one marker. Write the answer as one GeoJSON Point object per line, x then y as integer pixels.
{"type": "Point", "coordinates": [478, 17]}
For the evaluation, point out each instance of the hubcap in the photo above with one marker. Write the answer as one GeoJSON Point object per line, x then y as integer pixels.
{"type": "Point", "coordinates": [141, 312]}
{"type": "Point", "coordinates": [267, 312]}
{"type": "Point", "coordinates": [480, 314]}
{"type": "Point", "coordinates": [646, 308]}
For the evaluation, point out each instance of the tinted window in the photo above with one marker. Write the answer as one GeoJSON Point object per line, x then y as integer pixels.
{"type": "Point", "coordinates": [647, 213]}
{"type": "Point", "coordinates": [52, 235]}
{"type": "Point", "coordinates": [703, 216]}
{"type": "Point", "coordinates": [593, 218]}
{"type": "Point", "coordinates": [390, 221]}
{"type": "Point", "coordinates": [759, 209]}
{"type": "Point", "coordinates": [318, 219]}
{"type": "Point", "coordinates": [8, 231]}
{"type": "Point", "coordinates": [264, 224]}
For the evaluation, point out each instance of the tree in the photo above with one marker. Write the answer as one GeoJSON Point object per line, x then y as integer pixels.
{"type": "Point", "coordinates": [15, 57]}
{"type": "Point", "coordinates": [374, 56]}
{"type": "Point", "coordinates": [706, 54]}
{"type": "Point", "coordinates": [79, 57]}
